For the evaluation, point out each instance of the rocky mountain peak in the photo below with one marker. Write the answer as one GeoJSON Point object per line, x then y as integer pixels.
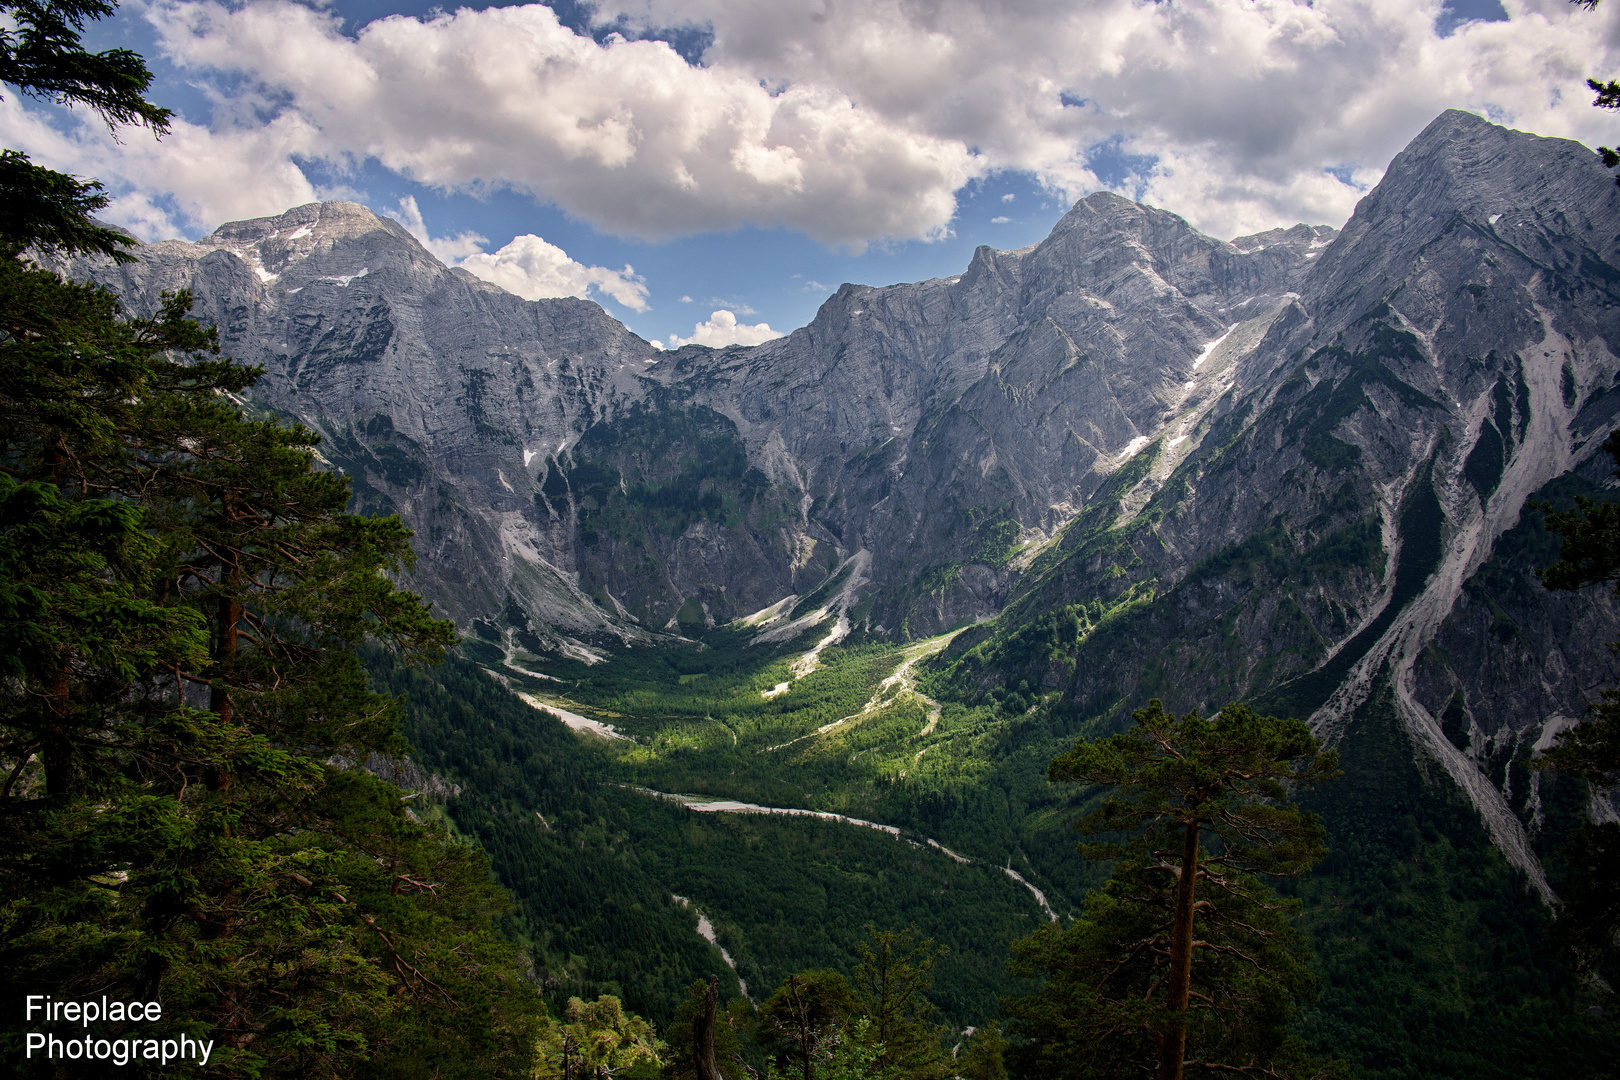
{"type": "Point", "coordinates": [344, 230]}
{"type": "Point", "coordinates": [1462, 163]}
{"type": "Point", "coordinates": [326, 220]}
{"type": "Point", "coordinates": [1307, 237]}
{"type": "Point", "coordinates": [1466, 177]}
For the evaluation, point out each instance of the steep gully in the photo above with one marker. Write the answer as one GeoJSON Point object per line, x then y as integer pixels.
{"type": "Point", "coordinates": [1545, 453]}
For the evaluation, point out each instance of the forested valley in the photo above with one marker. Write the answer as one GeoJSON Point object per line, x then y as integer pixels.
{"type": "Point", "coordinates": [265, 814]}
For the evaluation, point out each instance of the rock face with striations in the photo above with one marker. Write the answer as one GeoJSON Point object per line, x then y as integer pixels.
{"type": "Point", "coordinates": [439, 394]}
{"type": "Point", "coordinates": [1289, 468]}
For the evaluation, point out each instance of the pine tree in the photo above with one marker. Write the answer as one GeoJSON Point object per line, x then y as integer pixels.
{"type": "Point", "coordinates": [181, 708]}
{"type": "Point", "coordinates": [891, 985]}
{"type": "Point", "coordinates": [1185, 959]}
{"type": "Point", "coordinates": [83, 628]}
{"type": "Point", "coordinates": [42, 55]}
{"type": "Point", "coordinates": [802, 1015]}
{"type": "Point", "coordinates": [178, 819]}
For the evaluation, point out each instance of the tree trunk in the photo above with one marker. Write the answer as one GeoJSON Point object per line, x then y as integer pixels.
{"type": "Point", "coordinates": [1180, 986]}
{"type": "Point", "coordinates": [229, 613]}
{"type": "Point", "coordinates": [703, 1030]}
{"type": "Point", "coordinates": [807, 1034]}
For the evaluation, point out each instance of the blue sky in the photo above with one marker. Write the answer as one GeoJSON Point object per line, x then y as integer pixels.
{"type": "Point", "coordinates": [748, 156]}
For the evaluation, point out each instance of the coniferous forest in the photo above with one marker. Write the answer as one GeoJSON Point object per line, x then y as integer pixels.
{"type": "Point", "coordinates": [264, 814]}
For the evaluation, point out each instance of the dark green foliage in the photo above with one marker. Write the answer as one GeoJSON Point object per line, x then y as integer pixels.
{"type": "Point", "coordinates": [181, 593]}
{"type": "Point", "coordinates": [1359, 546]}
{"type": "Point", "coordinates": [688, 466]}
{"type": "Point", "coordinates": [557, 837]}
{"type": "Point", "coordinates": [735, 1051]}
{"type": "Point", "coordinates": [638, 483]}
{"type": "Point", "coordinates": [74, 373]}
{"type": "Point", "coordinates": [997, 537]}
{"type": "Point", "coordinates": [1589, 551]}
{"type": "Point", "coordinates": [1334, 399]}
{"type": "Point", "coordinates": [801, 1016]}
{"type": "Point", "coordinates": [788, 893]}
{"type": "Point", "coordinates": [1507, 580]}
{"type": "Point", "coordinates": [1095, 1016]}
{"type": "Point", "coordinates": [79, 630]}
{"type": "Point", "coordinates": [985, 1055]}
{"type": "Point", "coordinates": [783, 893]}
{"type": "Point", "coordinates": [1588, 925]}
{"type": "Point", "coordinates": [1485, 461]}
{"type": "Point", "coordinates": [40, 54]}
{"type": "Point", "coordinates": [1587, 929]}
{"type": "Point", "coordinates": [53, 210]}
{"type": "Point", "coordinates": [1454, 723]}
{"type": "Point", "coordinates": [891, 990]}
{"type": "Point", "coordinates": [1589, 554]}
{"type": "Point", "coordinates": [1194, 625]}
{"type": "Point", "coordinates": [817, 1023]}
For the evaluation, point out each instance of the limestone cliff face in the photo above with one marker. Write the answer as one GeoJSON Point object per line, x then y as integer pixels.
{"type": "Point", "coordinates": [941, 425]}
{"type": "Point", "coordinates": [1279, 469]}
{"type": "Point", "coordinates": [936, 424]}
{"type": "Point", "coordinates": [443, 397]}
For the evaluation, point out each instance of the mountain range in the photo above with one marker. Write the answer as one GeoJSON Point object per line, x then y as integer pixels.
{"type": "Point", "coordinates": [1293, 468]}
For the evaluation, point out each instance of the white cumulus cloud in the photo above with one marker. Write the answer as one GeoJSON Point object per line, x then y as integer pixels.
{"type": "Point", "coordinates": [847, 122]}
{"type": "Point", "coordinates": [722, 328]}
{"type": "Point", "coordinates": [532, 268]}
{"type": "Point", "coordinates": [1231, 111]}
{"type": "Point", "coordinates": [168, 188]}
{"type": "Point", "coordinates": [529, 266]}
{"type": "Point", "coordinates": [626, 135]}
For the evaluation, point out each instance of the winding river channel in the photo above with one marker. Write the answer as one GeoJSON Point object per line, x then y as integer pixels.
{"type": "Point", "coordinates": [732, 806]}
